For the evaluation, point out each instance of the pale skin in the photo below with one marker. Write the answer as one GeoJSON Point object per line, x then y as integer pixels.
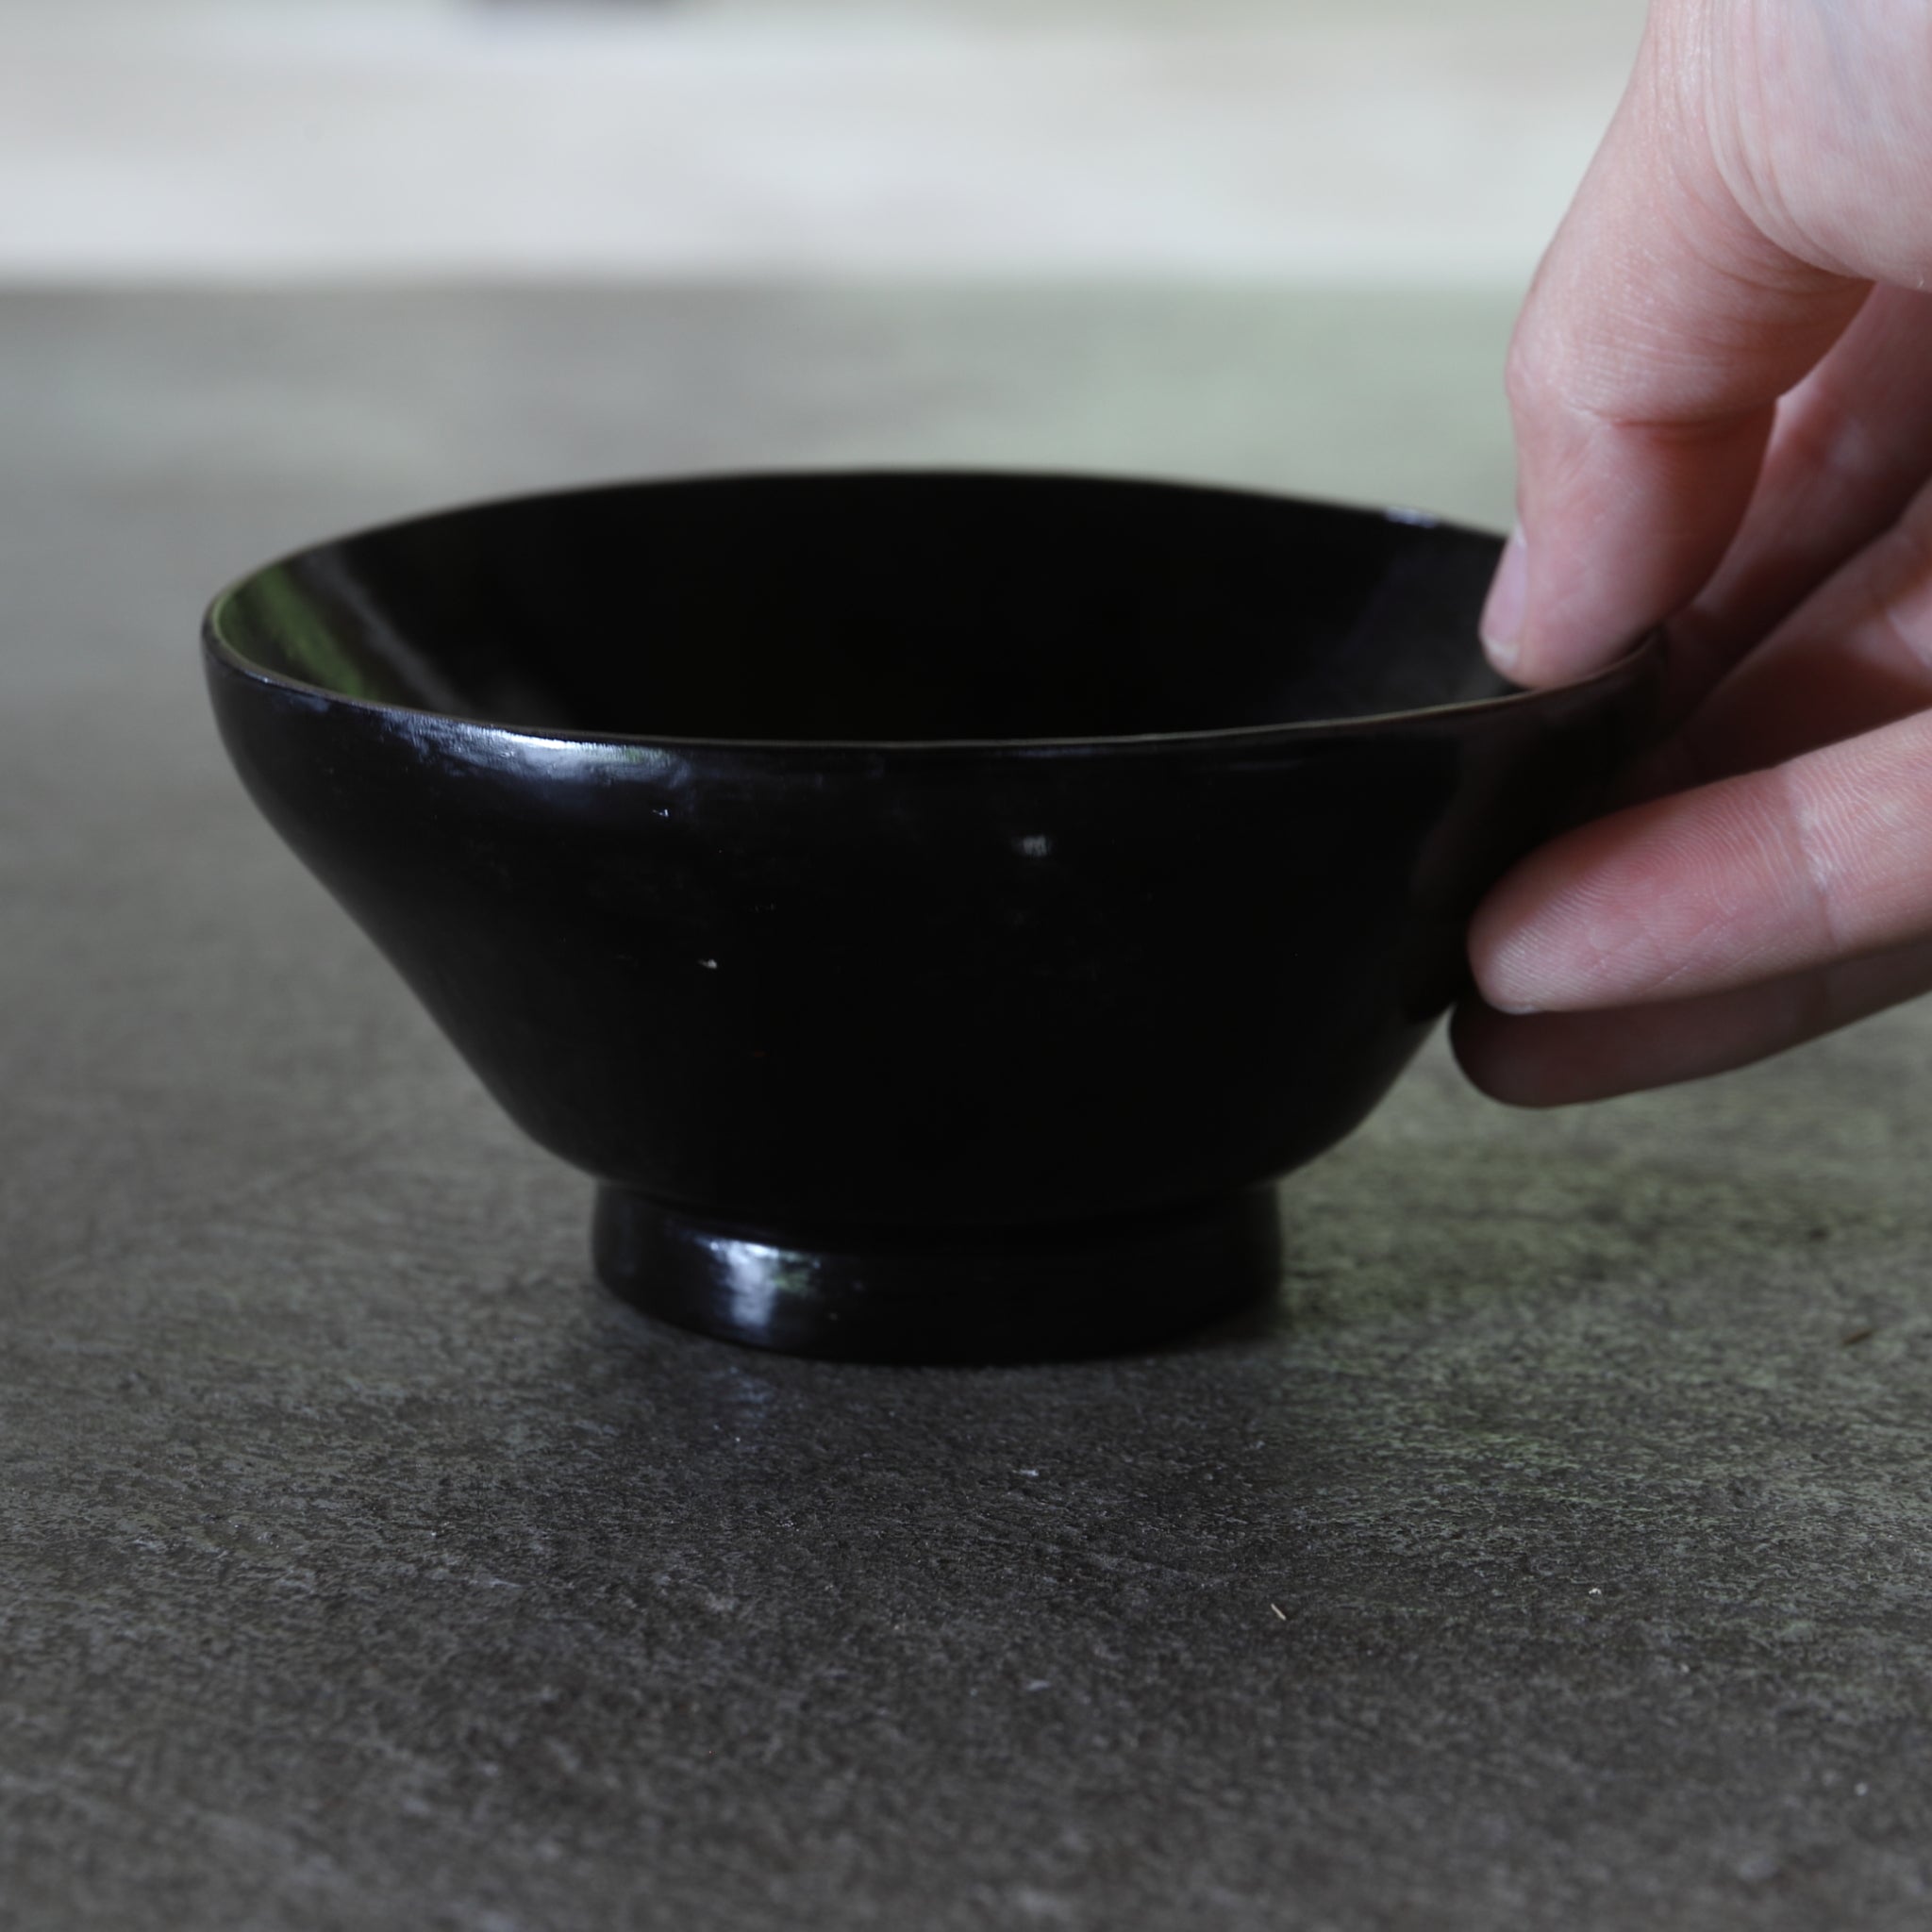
{"type": "Point", "coordinates": [1722, 387]}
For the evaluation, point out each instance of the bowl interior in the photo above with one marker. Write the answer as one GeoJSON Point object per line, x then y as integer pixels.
{"type": "Point", "coordinates": [883, 607]}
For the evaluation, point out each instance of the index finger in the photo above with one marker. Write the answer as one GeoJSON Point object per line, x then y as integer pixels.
{"type": "Point", "coordinates": [1662, 329]}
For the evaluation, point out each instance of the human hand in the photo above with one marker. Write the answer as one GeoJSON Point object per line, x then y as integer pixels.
{"type": "Point", "coordinates": [1722, 385]}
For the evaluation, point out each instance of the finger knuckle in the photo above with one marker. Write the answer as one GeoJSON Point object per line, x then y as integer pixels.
{"type": "Point", "coordinates": [1537, 371]}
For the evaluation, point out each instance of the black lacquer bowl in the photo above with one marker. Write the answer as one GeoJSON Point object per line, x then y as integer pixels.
{"type": "Point", "coordinates": [933, 907]}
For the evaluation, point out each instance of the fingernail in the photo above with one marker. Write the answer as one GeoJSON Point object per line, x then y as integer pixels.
{"type": "Point", "coordinates": [1503, 613]}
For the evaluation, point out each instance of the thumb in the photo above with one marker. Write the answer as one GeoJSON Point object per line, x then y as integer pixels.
{"type": "Point", "coordinates": [1661, 330]}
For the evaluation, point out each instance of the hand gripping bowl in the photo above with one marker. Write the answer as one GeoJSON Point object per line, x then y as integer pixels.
{"type": "Point", "coordinates": [932, 906]}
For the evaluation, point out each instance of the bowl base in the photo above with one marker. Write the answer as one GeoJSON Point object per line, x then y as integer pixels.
{"type": "Point", "coordinates": [1001, 1296]}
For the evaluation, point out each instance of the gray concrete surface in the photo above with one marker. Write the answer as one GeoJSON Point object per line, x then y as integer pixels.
{"type": "Point", "coordinates": [1554, 1554]}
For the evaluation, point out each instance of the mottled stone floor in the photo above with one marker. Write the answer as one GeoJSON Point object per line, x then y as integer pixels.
{"type": "Point", "coordinates": [1555, 1553]}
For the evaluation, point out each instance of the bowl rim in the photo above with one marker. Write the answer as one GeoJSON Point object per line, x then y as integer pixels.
{"type": "Point", "coordinates": [1637, 654]}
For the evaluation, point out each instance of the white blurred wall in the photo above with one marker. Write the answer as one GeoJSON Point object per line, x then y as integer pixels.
{"type": "Point", "coordinates": [1353, 141]}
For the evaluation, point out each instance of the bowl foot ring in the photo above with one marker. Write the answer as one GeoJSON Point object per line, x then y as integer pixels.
{"type": "Point", "coordinates": [1001, 1295]}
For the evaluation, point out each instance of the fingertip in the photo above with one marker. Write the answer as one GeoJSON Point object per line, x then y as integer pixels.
{"type": "Point", "coordinates": [1501, 624]}
{"type": "Point", "coordinates": [1525, 640]}
{"type": "Point", "coordinates": [1496, 951]}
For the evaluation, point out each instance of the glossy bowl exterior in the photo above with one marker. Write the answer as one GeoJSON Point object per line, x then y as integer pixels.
{"type": "Point", "coordinates": [931, 1000]}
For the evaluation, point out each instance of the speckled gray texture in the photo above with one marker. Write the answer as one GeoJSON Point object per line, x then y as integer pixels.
{"type": "Point", "coordinates": [1553, 1555]}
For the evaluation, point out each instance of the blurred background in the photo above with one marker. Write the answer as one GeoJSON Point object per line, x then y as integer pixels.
{"type": "Point", "coordinates": [1337, 142]}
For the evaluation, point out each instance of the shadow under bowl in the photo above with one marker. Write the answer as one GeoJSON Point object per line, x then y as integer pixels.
{"type": "Point", "coordinates": [933, 907]}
